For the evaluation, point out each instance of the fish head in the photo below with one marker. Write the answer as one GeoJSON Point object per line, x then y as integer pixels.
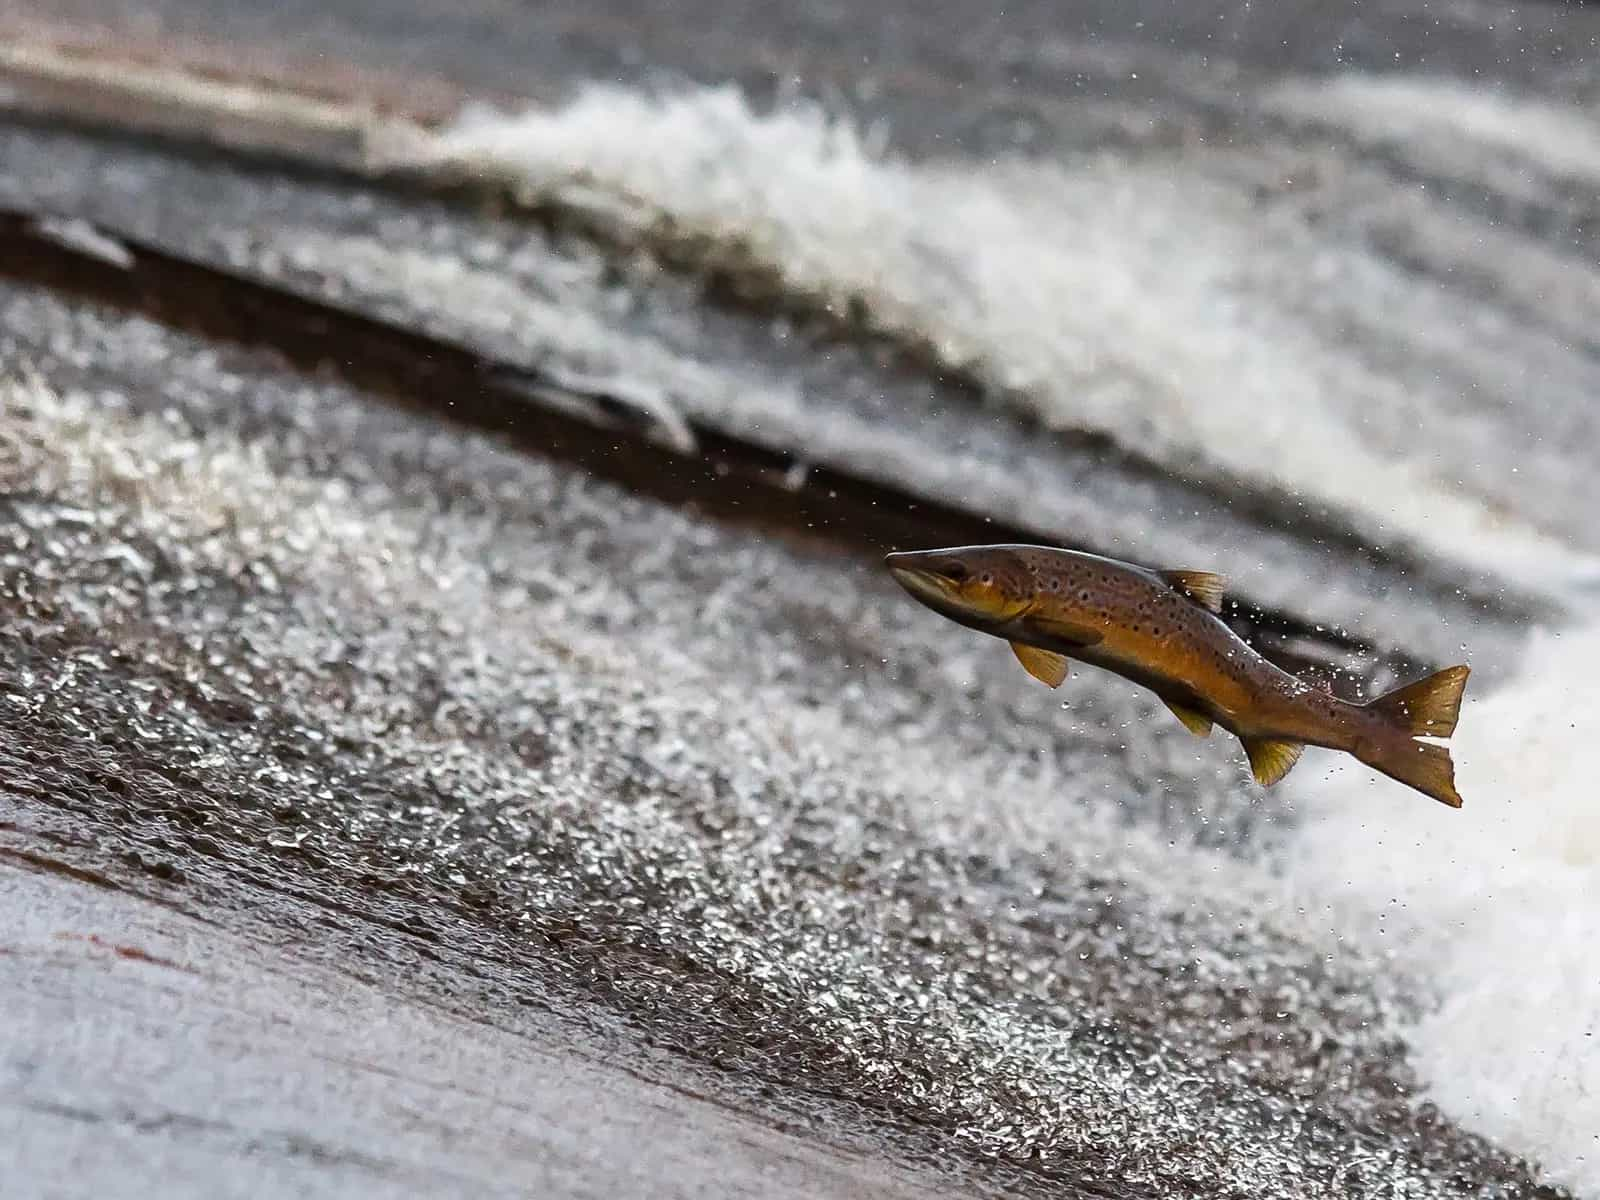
{"type": "Point", "coordinates": [983, 587]}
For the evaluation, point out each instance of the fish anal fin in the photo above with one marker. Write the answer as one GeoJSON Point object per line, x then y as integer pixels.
{"type": "Point", "coordinates": [1271, 760]}
{"type": "Point", "coordinates": [1194, 721]}
{"type": "Point", "coordinates": [1204, 588]}
{"type": "Point", "coordinates": [1427, 708]}
{"type": "Point", "coordinates": [1048, 667]}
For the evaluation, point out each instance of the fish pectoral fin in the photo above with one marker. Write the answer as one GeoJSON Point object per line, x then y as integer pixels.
{"type": "Point", "coordinates": [1076, 635]}
{"type": "Point", "coordinates": [1204, 588]}
{"type": "Point", "coordinates": [1048, 667]}
{"type": "Point", "coordinates": [1196, 722]}
{"type": "Point", "coordinates": [1271, 760]}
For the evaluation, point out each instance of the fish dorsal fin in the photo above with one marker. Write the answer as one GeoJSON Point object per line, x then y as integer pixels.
{"type": "Point", "coordinates": [1195, 722]}
{"type": "Point", "coordinates": [1048, 667]}
{"type": "Point", "coordinates": [1204, 588]}
{"type": "Point", "coordinates": [1270, 760]}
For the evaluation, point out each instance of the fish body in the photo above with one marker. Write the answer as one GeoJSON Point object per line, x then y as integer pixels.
{"type": "Point", "coordinates": [1160, 629]}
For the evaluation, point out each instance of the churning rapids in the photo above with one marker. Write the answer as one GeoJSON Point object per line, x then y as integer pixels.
{"type": "Point", "coordinates": [740, 790]}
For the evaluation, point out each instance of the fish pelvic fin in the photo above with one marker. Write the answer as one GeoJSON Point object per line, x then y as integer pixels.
{"type": "Point", "coordinates": [1048, 667]}
{"type": "Point", "coordinates": [1427, 708]}
{"type": "Point", "coordinates": [1204, 588]}
{"type": "Point", "coordinates": [1425, 766]}
{"type": "Point", "coordinates": [1195, 722]}
{"type": "Point", "coordinates": [1271, 760]}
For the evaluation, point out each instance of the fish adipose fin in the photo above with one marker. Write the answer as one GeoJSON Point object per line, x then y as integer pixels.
{"type": "Point", "coordinates": [1196, 723]}
{"type": "Point", "coordinates": [1427, 708]}
{"type": "Point", "coordinates": [1048, 667]}
{"type": "Point", "coordinates": [1204, 588]}
{"type": "Point", "coordinates": [1270, 761]}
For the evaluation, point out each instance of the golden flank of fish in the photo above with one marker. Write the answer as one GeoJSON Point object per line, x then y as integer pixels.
{"type": "Point", "coordinates": [1160, 629]}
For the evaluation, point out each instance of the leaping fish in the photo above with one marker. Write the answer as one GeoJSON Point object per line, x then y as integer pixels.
{"type": "Point", "coordinates": [1161, 630]}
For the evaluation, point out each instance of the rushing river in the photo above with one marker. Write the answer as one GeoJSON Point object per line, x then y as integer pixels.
{"type": "Point", "coordinates": [1322, 326]}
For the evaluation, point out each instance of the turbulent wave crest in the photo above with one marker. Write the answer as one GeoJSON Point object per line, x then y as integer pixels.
{"type": "Point", "coordinates": [1160, 305]}
{"type": "Point", "coordinates": [1145, 301]}
{"type": "Point", "coordinates": [1500, 902]}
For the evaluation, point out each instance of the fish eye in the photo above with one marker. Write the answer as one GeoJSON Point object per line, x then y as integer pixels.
{"type": "Point", "coordinates": [986, 578]}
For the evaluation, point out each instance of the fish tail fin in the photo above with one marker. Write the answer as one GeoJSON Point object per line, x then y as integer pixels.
{"type": "Point", "coordinates": [1427, 708]}
{"type": "Point", "coordinates": [1425, 766]}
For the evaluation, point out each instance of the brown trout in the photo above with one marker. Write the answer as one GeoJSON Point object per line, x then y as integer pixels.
{"type": "Point", "coordinates": [1160, 629]}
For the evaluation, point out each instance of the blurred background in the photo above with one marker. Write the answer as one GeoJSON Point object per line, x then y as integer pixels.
{"type": "Point", "coordinates": [457, 736]}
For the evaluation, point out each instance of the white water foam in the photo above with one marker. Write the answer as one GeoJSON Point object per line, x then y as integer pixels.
{"type": "Point", "coordinates": [1503, 132]}
{"type": "Point", "coordinates": [1498, 903]}
{"type": "Point", "coordinates": [1145, 301]}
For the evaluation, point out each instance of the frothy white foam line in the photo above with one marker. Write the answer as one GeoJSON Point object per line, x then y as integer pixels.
{"type": "Point", "coordinates": [1112, 297]}
{"type": "Point", "coordinates": [1560, 140]}
{"type": "Point", "coordinates": [1499, 903]}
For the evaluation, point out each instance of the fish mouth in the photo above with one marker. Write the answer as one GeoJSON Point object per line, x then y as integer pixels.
{"type": "Point", "coordinates": [927, 586]}
{"type": "Point", "coordinates": [939, 592]}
